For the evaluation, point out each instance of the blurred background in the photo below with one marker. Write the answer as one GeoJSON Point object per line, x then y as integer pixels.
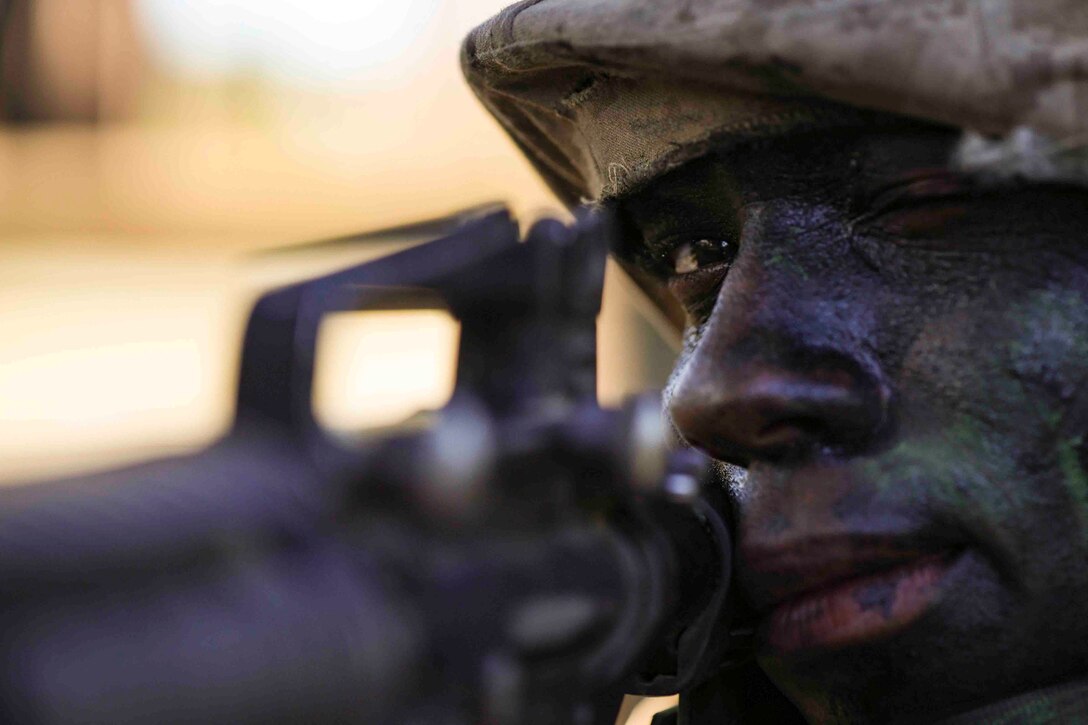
{"type": "Point", "coordinates": [160, 161]}
{"type": "Point", "coordinates": [153, 151]}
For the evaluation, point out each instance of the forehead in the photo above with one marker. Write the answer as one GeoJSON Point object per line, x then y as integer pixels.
{"type": "Point", "coordinates": [799, 163]}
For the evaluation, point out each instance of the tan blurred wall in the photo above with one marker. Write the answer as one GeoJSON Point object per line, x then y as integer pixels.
{"type": "Point", "coordinates": [124, 275]}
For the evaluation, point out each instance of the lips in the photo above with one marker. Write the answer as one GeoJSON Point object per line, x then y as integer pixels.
{"type": "Point", "coordinates": [833, 592]}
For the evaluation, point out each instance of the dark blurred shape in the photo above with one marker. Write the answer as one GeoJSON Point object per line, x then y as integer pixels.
{"type": "Point", "coordinates": [74, 62]}
{"type": "Point", "coordinates": [415, 231]}
{"type": "Point", "coordinates": [526, 556]}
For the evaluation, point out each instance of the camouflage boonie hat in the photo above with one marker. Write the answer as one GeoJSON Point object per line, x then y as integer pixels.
{"type": "Point", "coordinates": [604, 95]}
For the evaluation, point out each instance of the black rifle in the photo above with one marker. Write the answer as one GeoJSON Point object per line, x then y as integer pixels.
{"type": "Point", "coordinates": [520, 556]}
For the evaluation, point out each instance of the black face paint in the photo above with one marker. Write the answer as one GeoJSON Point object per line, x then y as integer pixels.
{"type": "Point", "coordinates": [898, 356]}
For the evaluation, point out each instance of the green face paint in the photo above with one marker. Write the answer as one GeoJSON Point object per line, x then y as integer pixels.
{"type": "Point", "coordinates": [897, 358]}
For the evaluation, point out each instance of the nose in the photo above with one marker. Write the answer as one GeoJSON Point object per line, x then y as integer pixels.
{"type": "Point", "coordinates": [787, 364]}
{"type": "Point", "coordinates": [740, 408]}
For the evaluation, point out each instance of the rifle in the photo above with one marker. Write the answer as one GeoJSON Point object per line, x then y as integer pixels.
{"type": "Point", "coordinates": [519, 556]}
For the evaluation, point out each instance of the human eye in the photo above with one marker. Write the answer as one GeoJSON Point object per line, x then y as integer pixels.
{"type": "Point", "coordinates": [685, 237]}
{"type": "Point", "coordinates": [695, 268]}
{"type": "Point", "coordinates": [700, 254]}
{"type": "Point", "coordinates": [917, 206]}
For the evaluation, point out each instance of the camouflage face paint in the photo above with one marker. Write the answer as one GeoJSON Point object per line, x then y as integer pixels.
{"type": "Point", "coordinates": [899, 358]}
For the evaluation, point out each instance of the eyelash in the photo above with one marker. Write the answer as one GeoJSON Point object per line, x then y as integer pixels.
{"type": "Point", "coordinates": [668, 258]}
{"type": "Point", "coordinates": [880, 208]}
{"type": "Point", "coordinates": [685, 257]}
{"type": "Point", "coordinates": [694, 267]}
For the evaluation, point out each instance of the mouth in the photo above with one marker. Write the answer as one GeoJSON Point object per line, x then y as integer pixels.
{"type": "Point", "coordinates": [834, 596]}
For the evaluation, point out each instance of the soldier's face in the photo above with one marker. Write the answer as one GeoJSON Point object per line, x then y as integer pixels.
{"type": "Point", "coordinates": [897, 358]}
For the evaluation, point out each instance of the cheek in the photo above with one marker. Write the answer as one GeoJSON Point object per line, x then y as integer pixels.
{"type": "Point", "coordinates": [1050, 357]}
{"type": "Point", "coordinates": [1019, 368]}
{"type": "Point", "coordinates": [1048, 347]}
{"type": "Point", "coordinates": [998, 390]}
